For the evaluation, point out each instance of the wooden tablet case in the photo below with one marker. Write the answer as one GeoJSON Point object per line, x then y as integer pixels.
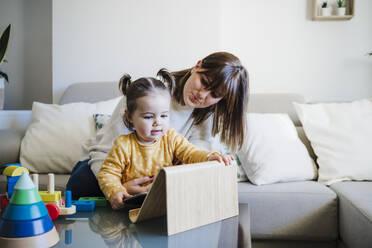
{"type": "Point", "coordinates": [191, 196]}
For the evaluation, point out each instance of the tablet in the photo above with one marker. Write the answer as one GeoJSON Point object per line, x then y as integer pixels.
{"type": "Point", "coordinates": [135, 201]}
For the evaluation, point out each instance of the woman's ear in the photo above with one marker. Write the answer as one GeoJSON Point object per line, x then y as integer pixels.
{"type": "Point", "coordinates": [197, 66]}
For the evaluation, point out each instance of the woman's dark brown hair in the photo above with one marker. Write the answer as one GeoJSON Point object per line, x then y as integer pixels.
{"type": "Point", "coordinates": [228, 78]}
{"type": "Point", "coordinates": [143, 87]}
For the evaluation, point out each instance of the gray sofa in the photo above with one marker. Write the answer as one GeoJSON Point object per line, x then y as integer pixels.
{"type": "Point", "coordinates": [336, 216]}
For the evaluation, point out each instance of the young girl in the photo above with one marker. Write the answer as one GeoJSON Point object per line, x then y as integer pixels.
{"type": "Point", "coordinates": [152, 144]}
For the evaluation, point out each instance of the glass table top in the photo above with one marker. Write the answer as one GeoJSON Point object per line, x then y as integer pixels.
{"type": "Point", "coordinates": [105, 227]}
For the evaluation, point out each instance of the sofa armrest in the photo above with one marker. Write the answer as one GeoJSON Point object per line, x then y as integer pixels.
{"type": "Point", "coordinates": [17, 120]}
{"type": "Point", "coordinates": [13, 126]}
{"type": "Point", "coordinates": [9, 146]}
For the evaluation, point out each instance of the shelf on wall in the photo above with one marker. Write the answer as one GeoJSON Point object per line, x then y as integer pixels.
{"type": "Point", "coordinates": [350, 6]}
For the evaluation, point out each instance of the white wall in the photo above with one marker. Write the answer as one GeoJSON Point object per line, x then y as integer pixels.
{"type": "Point", "coordinates": [11, 12]}
{"type": "Point", "coordinates": [37, 52]}
{"type": "Point", "coordinates": [96, 40]}
{"type": "Point", "coordinates": [285, 51]}
{"type": "Point", "coordinates": [281, 47]}
{"type": "Point", "coordinates": [29, 52]}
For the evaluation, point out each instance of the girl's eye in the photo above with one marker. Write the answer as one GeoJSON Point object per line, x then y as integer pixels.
{"type": "Point", "coordinates": [164, 116]}
{"type": "Point", "coordinates": [147, 117]}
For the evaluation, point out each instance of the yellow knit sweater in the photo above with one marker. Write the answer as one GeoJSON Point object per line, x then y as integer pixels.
{"type": "Point", "coordinates": [128, 159]}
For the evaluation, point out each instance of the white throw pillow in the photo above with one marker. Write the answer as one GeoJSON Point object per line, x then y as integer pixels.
{"type": "Point", "coordinates": [272, 151]}
{"type": "Point", "coordinates": [53, 141]}
{"type": "Point", "coordinates": [341, 136]}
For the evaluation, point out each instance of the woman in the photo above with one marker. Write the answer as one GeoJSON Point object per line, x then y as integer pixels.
{"type": "Point", "coordinates": [208, 106]}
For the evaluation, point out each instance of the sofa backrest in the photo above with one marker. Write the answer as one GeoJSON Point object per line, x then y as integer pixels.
{"type": "Point", "coordinates": [258, 103]}
{"type": "Point", "coordinates": [275, 103]}
{"type": "Point", "coordinates": [90, 92]}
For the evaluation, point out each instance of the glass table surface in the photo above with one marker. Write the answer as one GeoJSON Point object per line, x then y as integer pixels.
{"type": "Point", "coordinates": [105, 227]}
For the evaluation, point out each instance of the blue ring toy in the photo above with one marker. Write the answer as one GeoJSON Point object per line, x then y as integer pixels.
{"type": "Point", "coordinates": [27, 228]}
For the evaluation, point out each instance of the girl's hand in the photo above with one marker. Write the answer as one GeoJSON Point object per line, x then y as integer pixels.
{"type": "Point", "coordinates": [227, 159]}
{"type": "Point", "coordinates": [117, 201]}
{"type": "Point", "coordinates": [135, 187]}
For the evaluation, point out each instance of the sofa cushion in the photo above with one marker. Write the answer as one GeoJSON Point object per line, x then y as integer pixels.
{"type": "Point", "coordinates": [272, 151]}
{"type": "Point", "coordinates": [355, 208]}
{"type": "Point", "coordinates": [341, 135]}
{"type": "Point", "coordinates": [291, 211]}
{"type": "Point", "coordinates": [53, 141]}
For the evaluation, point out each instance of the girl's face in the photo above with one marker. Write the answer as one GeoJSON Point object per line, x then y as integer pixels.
{"type": "Point", "coordinates": [151, 118]}
{"type": "Point", "coordinates": [195, 94]}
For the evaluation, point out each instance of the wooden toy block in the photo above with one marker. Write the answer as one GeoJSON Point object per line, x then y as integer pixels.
{"type": "Point", "coordinates": [3, 202]}
{"type": "Point", "coordinates": [12, 179]}
{"type": "Point", "coordinates": [11, 183]}
{"type": "Point", "coordinates": [50, 197]}
{"type": "Point", "coordinates": [82, 206]}
{"type": "Point", "coordinates": [14, 170]}
{"type": "Point", "coordinates": [35, 179]}
{"type": "Point", "coordinates": [53, 210]}
{"type": "Point", "coordinates": [68, 196]}
{"type": "Point", "coordinates": [50, 183]}
{"type": "Point", "coordinates": [99, 201]}
{"type": "Point", "coordinates": [67, 211]}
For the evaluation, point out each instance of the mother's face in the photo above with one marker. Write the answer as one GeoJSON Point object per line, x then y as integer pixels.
{"type": "Point", "coordinates": [195, 94]}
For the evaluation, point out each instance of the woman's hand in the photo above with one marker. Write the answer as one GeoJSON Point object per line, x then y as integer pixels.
{"type": "Point", "coordinates": [135, 187]}
{"type": "Point", "coordinates": [117, 201]}
{"type": "Point", "coordinates": [227, 159]}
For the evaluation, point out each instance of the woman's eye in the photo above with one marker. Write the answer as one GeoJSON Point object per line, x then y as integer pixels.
{"type": "Point", "coordinates": [204, 83]}
{"type": "Point", "coordinates": [147, 117]}
{"type": "Point", "coordinates": [164, 116]}
{"type": "Point", "coordinates": [214, 95]}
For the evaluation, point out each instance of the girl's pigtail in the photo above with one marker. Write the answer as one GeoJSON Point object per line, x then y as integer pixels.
{"type": "Point", "coordinates": [124, 83]}
{"type": "Point", "coordinates": [167, 78]}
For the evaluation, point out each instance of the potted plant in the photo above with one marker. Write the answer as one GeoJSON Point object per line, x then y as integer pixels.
{"type": "Point", "coordinates": [4, 40]}
{"type": "Point", "coordinates": [341, 7]}
{"type": "Point", "coordinates": [326, 9]}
